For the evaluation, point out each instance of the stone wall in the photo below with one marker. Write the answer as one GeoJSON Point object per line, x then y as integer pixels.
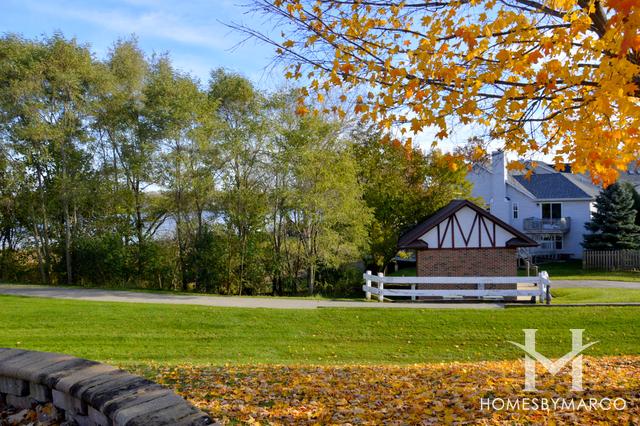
{"type": "Point", "coordinates": [90, 393]}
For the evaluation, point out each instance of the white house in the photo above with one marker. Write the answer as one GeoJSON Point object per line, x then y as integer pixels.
{"type": "Point", "coordinates": [550, 206]}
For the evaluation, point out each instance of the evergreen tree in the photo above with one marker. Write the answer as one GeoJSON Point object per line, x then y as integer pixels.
{"type": "Point", "coordinates": [613, 224]}
{"type": "Point", "coordinates": [636, 199]}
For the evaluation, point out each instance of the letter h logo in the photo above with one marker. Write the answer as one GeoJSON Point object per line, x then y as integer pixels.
{"type": "Point", "coordinates": [531, 356]}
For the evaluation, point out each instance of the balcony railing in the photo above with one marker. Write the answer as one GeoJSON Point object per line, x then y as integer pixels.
{"type": "Point", "coordinates": [534, 224]}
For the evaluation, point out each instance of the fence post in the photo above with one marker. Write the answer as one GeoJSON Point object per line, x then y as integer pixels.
{"type": "Point", "coordinates": [413, 296]}
{"type": "Point", "coordinates": [546, 287]}
{"type": "Point", "coordinates": [368, 284]}
{"type": "Point", "coordinates": [380, 287]}
{"type": "Point", "coordinates": [535, 270]}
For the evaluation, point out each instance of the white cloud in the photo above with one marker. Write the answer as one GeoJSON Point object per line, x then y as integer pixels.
{"type": "Point", "coordinates": [159, 24]}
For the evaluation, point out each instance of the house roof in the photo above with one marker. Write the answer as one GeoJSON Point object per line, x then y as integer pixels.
{"type": "Point", "coordinates": [511, 180]}
{"type": "Point", "coordinates": [411, 239]}
{"type": "Point", "coordinates": [554, 186]}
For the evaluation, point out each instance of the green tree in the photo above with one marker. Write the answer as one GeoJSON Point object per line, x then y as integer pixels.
{"type": "Point", "coordinates": [128, 121]}
{"type": "Point", "coordinates": [402, 186]}
{"type": "Point", "coordinates": [243, 138]}
{"type": "Point", "coordinates": [327, 212]}
{"type": "Point", "coordinates": [48, 95]}
{"type": "Point", "coordinates": [612, 226]}
{"type": "Point", "coordinates": [188, 162]}
{"type": "Point", "coordinates": [636, 199]}
{"type": "Point", "coordinates": [317, 218]}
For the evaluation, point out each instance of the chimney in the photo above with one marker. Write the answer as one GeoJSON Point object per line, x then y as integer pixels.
{"type": "Point", "coordinates": [499, 204]}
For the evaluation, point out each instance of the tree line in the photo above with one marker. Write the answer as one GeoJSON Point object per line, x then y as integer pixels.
{"type": "Point", "coordinates": [125, 171]}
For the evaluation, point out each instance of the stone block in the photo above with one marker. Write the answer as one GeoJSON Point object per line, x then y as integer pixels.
{"type": "Point", "coordinates": [79, 388]}
{"type": "Point", "coordinates": [98, 418]}
{"type": "Point", "coordinates": [133, 414]}
{"type": "Point", "coordinates": [99, 394]}
{"type": "Point", "coordinates": [175, 415]}
{"type": "Point", "coordinates": [8, 354]}
{"type": "Point", "coordinates": [69, 403]}
{"type": "Point", "coordinates": [40, 393]}
{"type": "Point", "coordinates": [82, 375]}
{"type": "Point", "coordinates": [20, 401]}
{"type": "Point", "coordinates": [17, 366]}
{"type": "Point", "coordinates": [134, 397]}
{"type": "Point", "coordinates": [13, 386]}
{"type": "Point", "coordinates": [35, 371]}
{"type": "Point", "coordinates": [50, 375]}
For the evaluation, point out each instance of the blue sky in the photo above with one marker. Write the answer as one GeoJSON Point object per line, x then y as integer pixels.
{"type": "Point", "coordinates": [191, 31]}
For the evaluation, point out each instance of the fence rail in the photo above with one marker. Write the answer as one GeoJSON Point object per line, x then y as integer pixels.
{"type": "Point", "coordinates": [611, 260]}
{"type": "Point", "coordinates": [542, 290]}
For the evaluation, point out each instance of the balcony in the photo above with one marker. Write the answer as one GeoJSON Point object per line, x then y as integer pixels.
{"type": "Point", "coordinates": [547, 226]}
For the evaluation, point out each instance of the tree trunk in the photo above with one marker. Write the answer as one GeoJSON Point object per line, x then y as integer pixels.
{"type": "Point", "coordinates": [67, 242]}
{"type": "Point", "coordinates": [139, 228]}
{"type": "Point", "coordinates": [44, 238]}
{"type": "Point", "coordinates": [67, 216]}
{"type": "Point", "coordinates": [311, 278]}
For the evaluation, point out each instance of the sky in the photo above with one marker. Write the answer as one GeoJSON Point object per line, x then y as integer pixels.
{"type": "Point", "coordinates": [193, 32]}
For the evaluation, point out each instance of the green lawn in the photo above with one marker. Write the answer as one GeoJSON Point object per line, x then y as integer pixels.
{"type": "Point", "coordinates": [595, 295]}
{"type": "Point", "coordinates": [125, 333]}
{"type": "Point", "coordinates": [572, 270]}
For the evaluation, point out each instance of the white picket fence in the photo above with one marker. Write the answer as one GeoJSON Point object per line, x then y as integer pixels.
{"type": "Point", "coordinates": [542, 290]}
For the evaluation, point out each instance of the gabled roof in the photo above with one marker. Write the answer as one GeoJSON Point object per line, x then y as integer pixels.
{"type": "Point", "coordinates": [556, 186]}
{"type": "Point", "coordinates": [511, 180]}
{"type": "Point", "coordinates": [411, 239]}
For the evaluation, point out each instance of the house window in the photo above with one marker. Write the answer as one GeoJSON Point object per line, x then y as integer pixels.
{"type": "Point", "coordinates": [550, 241]}
{"type": "Point", "coordinates": [551, 210]}
{"type": "Point", "coordinates": [515, 210]}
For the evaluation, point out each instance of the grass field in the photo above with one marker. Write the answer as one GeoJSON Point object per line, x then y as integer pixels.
{"type": "Point", "coordinates": [124, 333]}
{"type": "Point", "coordinates": [595, 295]}
{"type": "Point", "coordinates": [570, 270]}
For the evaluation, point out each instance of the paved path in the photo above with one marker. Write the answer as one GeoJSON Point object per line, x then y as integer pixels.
{"type": "Point", "coordinates": [593, 284]}
{"type": "Point", "coordinates": [97, 295]}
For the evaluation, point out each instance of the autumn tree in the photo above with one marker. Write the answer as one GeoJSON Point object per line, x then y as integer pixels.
{"type": "Point", "coordinates": [556, 77]}
{"type": "Point", "coordinates": [402, 186]}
